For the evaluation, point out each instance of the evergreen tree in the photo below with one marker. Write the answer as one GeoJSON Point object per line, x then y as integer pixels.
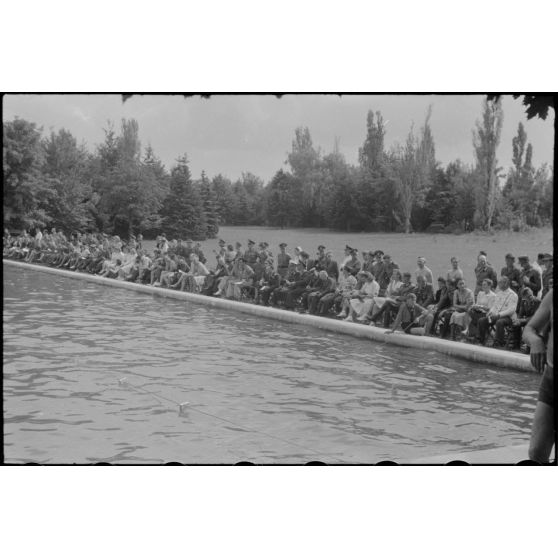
{"type": "Point", "coordinates": [222, 188]}
{"type": "Point", "coordinates": [209, 207]}
{"type": "Point", "coordinates": [183, 214]}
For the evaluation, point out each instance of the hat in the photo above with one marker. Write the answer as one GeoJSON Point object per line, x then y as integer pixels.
{"type": "Point", "coordinates": [510, 257]}
{"type": "Point", "coordinates": [221, 241]}
{"type": "Point", "coordinates": [348, 248]}
{"type": "Point", "coordinates": [378, 253]}
{"type": "Point", "coordinates": [321, 247]}
{"type": "Point", "coordinates": [523, 258]}
{"type": "Point", "coordinates": [304, 254]}
{"type": "Point", "coordinates": [251, 242]}
{"type": "Point", "coordinates": [441, 280]}
{"type": "Point", "coordinates": [283, 245]}
{"type": "Point", "coordinates": [547, 257]}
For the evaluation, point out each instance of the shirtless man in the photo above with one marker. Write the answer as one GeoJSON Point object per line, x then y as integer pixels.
{"type": "Point", "coordinates": [542, 359]}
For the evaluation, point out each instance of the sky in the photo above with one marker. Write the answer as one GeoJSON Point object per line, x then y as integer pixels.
{"type": "Point", "coordinates": [231, 134]}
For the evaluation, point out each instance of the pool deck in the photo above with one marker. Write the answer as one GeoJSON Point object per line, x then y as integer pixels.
{"type": "Point", "coordinates": [474, 353]}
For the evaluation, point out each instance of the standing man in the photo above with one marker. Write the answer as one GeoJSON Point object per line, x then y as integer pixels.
{"type": "Point", "coordinates": [543, 432]}
{"type": "Point", "coordinates": [455, 274]}
{"type": "Point", "coordinates": [484, 271]}
{"type": "Point", "coordinates": [251, 254]}
{"type": "Point", "coordinates": [528, 276]}
{"type": "Point", "coordinates": [423, 271]}
{"type": "Point", "coordinates": [330, 266]}
{"type": "Point", "coordinates": [548, 261]}
{"type": "Point", "coordinates": [511, 272]}
{"type": "Point", "coordinates": [283, 260]}
{"type": "Point", "coordinates": [386, 272]}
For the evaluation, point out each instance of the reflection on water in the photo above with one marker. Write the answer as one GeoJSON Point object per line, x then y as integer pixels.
{"type": "Point", "coordinates": [96, 374]}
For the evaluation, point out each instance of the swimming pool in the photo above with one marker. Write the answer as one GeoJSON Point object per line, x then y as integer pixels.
{"type": "Point", "coordinates": [97, 374]}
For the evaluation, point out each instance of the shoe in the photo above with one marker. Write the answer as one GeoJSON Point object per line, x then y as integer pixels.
{"type": "Point", "coordinates": [341, 315]}
{"type": "Point", "coordinates": [348, 319]}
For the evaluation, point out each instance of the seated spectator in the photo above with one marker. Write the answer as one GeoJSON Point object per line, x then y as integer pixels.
{"type": "Point", "coordinates": [410, 316]}
{"type": "Point", "coordinates": [325, 287]}
{"type": "Point", "coordinates": [500, 315]}
{"type": "Point", "coordinates": [485, 300]}
{"type": "Point", "coordinates": [347, 283]}
{"type": "Point", "coordinates": [442, 301]}
{"type": "Point", "coordinates": [211, 282]}
{"type": "Point", "coordinates": [390, 292]}
{"type": "Point", "coordinates": [462, 300]}
{"type": "Point", "coordinates": [242, 277]}
{"type": "Point", "coordinates": [424, 292]}
{"type": "Point", "coordinates": [361, 302]}
{"type": "Point", "coordinates": [391, 305]}
{"type": "Point", "coordinates": [527, 307]}
{"type": "Point", "coordinates": [270, 281]}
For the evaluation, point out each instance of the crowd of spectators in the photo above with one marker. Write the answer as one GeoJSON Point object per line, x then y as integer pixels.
{"type": "Point", "coordinates": [366, 287]}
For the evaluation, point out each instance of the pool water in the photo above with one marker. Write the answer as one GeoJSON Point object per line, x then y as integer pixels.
{"type": "Point", "coordinates": [94, 374]}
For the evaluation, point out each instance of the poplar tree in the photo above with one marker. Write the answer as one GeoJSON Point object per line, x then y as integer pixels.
{"type": "Point", "coordinates": [486, 139]}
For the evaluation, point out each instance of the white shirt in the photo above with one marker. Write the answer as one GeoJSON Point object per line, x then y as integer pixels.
{"type": "Point", "coordinates": [504, 304]}
{"type": "Point", "coordinates": [484, 299]}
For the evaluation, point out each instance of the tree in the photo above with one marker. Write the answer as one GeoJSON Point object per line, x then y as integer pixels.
{"type": "Point", "coordinates": [371, 154]}
{"type": "Point", "coordinates": [70, 205]}
{"type": "Point", "coordinates": [209, 207]}
{"type": "Point", "coordinates": [25, 191]}
{"type": "Point", "coordinates": [130, 191]}
{"type": "Point", "coordinates": [280, 201]}
{"type": "Point", "coordinates": [486, 139]}
{"type": "Point", "coordinates": [183, 214]}
{"type": "Point", "coordinates": [304, 161]}
{"type": "Point", "coordinates": [222, 188]}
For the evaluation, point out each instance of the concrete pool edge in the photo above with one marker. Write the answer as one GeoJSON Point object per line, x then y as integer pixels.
{"type": "Point", "coordinates": [474, 353]}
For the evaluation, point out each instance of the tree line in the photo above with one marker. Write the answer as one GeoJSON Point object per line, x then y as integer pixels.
{"type": "Point", "coordinates": [120, 188]}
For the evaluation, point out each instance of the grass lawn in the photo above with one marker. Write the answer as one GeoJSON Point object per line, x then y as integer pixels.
{"type": "Point", "coordinates": [404, 249]}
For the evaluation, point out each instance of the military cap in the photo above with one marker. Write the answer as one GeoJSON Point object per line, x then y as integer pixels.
{"type": "Point", "coordinates": [283, 245]}
{"type": "Point", "coordinates": [510, 257]}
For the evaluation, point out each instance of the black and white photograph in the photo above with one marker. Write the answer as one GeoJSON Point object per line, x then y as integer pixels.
{"type": "Point", "coordinates": [278, 278]}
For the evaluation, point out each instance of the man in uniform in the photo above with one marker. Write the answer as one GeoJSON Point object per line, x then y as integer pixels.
{"type": "Point", "coordinates": [251, 254]}
{"type": "Point", "coordinates": [319, 261]}
{"type": "Point", "coordinates": [386, 273]}
{"type": "Point", "coordinates": [511, 272]}
{"type": "Point", "coordinates": [283, 260]}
